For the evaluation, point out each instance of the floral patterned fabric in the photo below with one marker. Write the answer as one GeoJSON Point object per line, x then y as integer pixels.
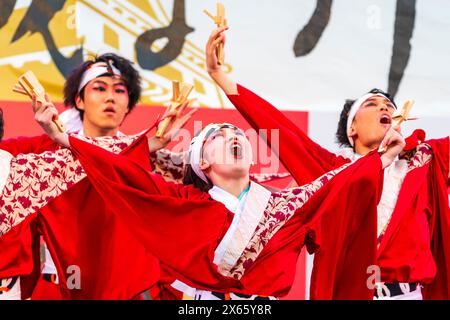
{"type": "Point", "coordinates": [36, 179]}
{"type": "Point", "coordinates": [282, 206]}
{"type": "Point", "coordinates": [169, 164]}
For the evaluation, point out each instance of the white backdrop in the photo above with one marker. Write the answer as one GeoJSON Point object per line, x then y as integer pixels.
{"type": "Point", "coordinates": [352, 56]}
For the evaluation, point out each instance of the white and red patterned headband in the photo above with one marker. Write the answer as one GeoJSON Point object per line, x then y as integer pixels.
{"type": "Point", "coordinates": [95, 70]}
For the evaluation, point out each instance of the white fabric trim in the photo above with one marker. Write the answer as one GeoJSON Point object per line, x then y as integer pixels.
{"type": "Point", "coordinates": [5, 167]}
{"type": "Point", "coordinates": [234, 205]}
{"type": "Point", "coordinates": [183, 287]}
{"type": "Point", "coordinates": [204, 295]}
{"type": "Point", "coordinates": [247, 213]}
{"type": "Point", "coordinates": [71, 120]}
{"type": "Point", "coordinates": [348, 153]}
{"type": "Point", "coordinates": [257, 200]}
{"type": "Point", "coordinates": [14, 293]}
{"type": "Point", "coordinates": [354, 109]}
{"type": "Point", "coordinates": [96, 70]}
{"type": "Point", "coordinates": [414, 295]}
{"type": "Point", "coordinates": [393, 180]}
{"type": "Point", "coordinates": [49, 265]}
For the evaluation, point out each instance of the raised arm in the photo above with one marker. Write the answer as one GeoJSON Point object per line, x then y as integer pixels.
{"type": "Point", "coordinates": [313, 159]}
{"type": "Point", "coordinates": [44, 114]}
{"type": "Point", "coordinates": [214, 70]}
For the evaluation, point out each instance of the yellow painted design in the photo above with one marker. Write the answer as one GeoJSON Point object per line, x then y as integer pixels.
{"type": "Point", "coordinates": [103, 25]}
{"type": "Point", "coordinates": [111, 37]}
{"type": "Point", "coordinates": [199, 86]}
{"type": "Point", "coordinates": [145, 7]}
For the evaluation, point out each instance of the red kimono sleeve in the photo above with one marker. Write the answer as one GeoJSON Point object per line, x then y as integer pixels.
{"type": "Point", "coordinates": [441, 151]}
{"type": "Point", "coordinates": [440, 220]}
{"type": "Point", "coordinates": [36, 145]}
{"type": "Point", "coordinates": [16, 249]}
{"type": "Point", "coordinates": [179, 225]}
{"type": "Point", "coordinates": [346, 231]}
{"type": "Point", "coordinates": [176, 224]}
{"type": "Point", "coordinates": [312, 159]}
{"type": "Point", "coordinates": [335, 224]}
{"type": "Point", "coordinates": [21, 258]}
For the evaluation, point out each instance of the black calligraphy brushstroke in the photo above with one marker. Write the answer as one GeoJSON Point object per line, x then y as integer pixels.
{"type": "Point", "coordinates": [310, 35]}
{"type": "Point", "coordinates": [37, 19]}
{"type": "Point", "coordinates": [6, 11]}
{"type": "Point", "coordinates": [175, 32]}
{"type": "Point", "coordinates": [405, 16]}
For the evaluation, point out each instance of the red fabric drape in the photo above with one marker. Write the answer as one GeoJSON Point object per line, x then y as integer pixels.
{"type": "Point", "coordinates": [182, 227]}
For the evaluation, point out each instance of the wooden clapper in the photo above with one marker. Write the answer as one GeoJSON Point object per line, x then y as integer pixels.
{"type": "Point", "coordinates": [399, 117]}
{"type": "Point", "coordinates": [220, 21]}
{"type": "Point", "coordinates": [28, 85]}
{"type": "Point", "coordinates": [180, 93]}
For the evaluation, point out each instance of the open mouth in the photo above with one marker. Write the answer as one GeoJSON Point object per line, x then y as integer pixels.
{"type": "Point", "coordinates": [385, 119]}
{"type": "Point", "coordinates": [109, 110]}
{"type": "Point", "coordinates": [236, 150]}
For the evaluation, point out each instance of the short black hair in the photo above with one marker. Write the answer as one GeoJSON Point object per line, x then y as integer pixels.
{"type": "Point", "coordinates": [2, 123]}
{"type": "Point", "coordinates": [190, 177]}
{"type": "Point", "coordinates": [341, 133]}
{"type": "Point", "coordinates": [129, 74]}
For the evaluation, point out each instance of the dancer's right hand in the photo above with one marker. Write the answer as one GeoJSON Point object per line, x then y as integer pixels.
{"type": "Point", "coordinates": [216, 37]}
{"type": "Point", "coordinates": [394, 142]}
{"type": "Point", "coordinates": [44, 113]}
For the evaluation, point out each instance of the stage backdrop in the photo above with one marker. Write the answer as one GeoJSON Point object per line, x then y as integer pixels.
{"type": "Point", "coordinates": [306, 57]}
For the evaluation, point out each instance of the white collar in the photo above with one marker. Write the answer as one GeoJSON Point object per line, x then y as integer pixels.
{"type": "Point", "coordinates": [230, 201]}
{"type": "Point", "coordinates": [348, 153]}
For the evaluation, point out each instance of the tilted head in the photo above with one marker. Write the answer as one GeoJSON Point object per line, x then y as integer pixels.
{"type": "Point", "coordinates": [103, 90]}
{"type": "Point", "coordinates": [219, 151]}
{"type": "Point", "coordinates": [364, 121]}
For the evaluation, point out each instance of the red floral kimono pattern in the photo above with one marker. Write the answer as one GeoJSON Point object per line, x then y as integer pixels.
{"type": "Point", "coordinates": [281, 207]}
{"type": "Point", "coordinates": [36, 179]}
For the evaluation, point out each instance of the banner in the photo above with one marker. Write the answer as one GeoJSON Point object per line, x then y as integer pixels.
{"type": "Point", "coordinates": [302, 55]}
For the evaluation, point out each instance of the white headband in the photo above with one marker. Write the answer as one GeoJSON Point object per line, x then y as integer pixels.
{"type": "Point", "coordinates": [196, 147]}
{"type": "Point", "coordinates": [96, 70]}
{"type": "Point", "coordinates": [354, 109]}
